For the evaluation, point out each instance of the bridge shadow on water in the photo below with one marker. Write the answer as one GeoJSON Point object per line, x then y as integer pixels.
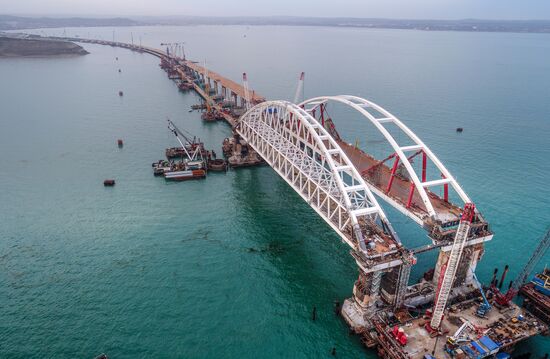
{"type": "Point", "coordinates": [310, 265]}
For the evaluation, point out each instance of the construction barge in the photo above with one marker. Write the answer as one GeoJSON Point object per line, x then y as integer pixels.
{"type": "Point", "coordinates": [447, 314]}
{"type": "Point", "coordinates": [222, 100]}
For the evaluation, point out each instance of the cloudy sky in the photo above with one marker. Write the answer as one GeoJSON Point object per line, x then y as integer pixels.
{"type": "Point", "coordinates": [419, 9]}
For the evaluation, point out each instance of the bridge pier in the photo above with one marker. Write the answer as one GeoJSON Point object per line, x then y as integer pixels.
{"type": "Point", "coordinates": [470, 257]}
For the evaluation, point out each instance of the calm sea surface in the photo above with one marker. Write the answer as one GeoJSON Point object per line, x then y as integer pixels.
{"type": "Point", "coordinates": [232, 266]}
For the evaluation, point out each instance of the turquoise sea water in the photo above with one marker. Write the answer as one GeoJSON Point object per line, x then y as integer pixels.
{"type": "Point", "coordinates": [232, 266]}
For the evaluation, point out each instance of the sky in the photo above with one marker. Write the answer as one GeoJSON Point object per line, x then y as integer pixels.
{"type": "Point", "coordinates": [396, 9]}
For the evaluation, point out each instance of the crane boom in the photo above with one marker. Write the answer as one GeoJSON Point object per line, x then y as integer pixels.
{"type": "Point", "coordinates": [485, 306]}
{"type": "Point", "coordinates": [442, 296]}
{"type": "Point", "coordinates": [173, 128]}
{"type": "Point", "coordinates": [246, 91]}
{"type": "Point", "coordinates": [533, 261]}
{"type": "Point", "coordinates": [176, 131]}
{"type": "Point", "coordinates": [505, 298]}
{"type": "Point", "coordinates": [299, 88]}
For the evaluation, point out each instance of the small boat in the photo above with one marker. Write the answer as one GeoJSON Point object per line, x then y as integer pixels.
{"type": "Point", "coordinates": [209, 116]}
{"type": "Point", "coordinates": [459, 129]}
{"type": "Point", "coordinates": [109, 182]}
{"type": "Point", "coordinates": [542, 281]}
{"type": "Point", "coordinates": [120, 93]}
{"type": "Point", "coordinates": [201, 106]}
{"type": "Point", "coordinates": [160, 167]}
{"type": "Point", "coordinates": [120, 142]}
{"type": "Point", "coordinates": [217, 165]}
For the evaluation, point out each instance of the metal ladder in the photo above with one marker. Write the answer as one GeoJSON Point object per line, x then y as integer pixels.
{"type": "Point", "coordinates": [452, 265]}
{"type": "Point", "coordinates": [403, 282]}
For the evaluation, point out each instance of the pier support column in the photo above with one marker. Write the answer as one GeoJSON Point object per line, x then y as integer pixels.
{"type": "Point", "coordinates": [234, 95]}
{"type": "Point", "coordinates": [358, 310]}
{"type": "Point", "coordinates": [216, 86]}
{"type": "Point", "coordinates": [468, 262]}
{"type": "Point", "coordinates": [366, 289]}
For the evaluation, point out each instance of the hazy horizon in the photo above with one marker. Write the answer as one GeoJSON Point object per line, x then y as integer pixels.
{"type": "Point", "coordinates": [389, 9]}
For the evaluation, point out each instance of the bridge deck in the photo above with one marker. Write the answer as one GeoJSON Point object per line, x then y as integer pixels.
{"type": "Point", "coordinates": [401, 186]}
{"type": "Point", "coordinates": [238, 89]}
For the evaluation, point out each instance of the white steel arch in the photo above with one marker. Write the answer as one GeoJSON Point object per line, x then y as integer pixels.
{"type": "Point", "coordinates": [360, 105]}
{"type": "Point", "coordinates": [306, 156]}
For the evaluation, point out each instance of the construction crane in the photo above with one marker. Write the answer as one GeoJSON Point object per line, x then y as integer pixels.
{"type": "Point", "coordinates": [504, 299]}
{"type": "Point", "coordinates": [299, 88]}
{"type": "Point", "coordinates": [461, 334]}
{"type": "Point", "coordinates": [173, 47]}
{"type": "Point", "coordinates": [246, 92]}
{"type": "Point", "coordinates": [449, 270]}
{"type": "Point", "coordinates": [192, 146]}
{"type": "Point", "coordinates": [485, 307]}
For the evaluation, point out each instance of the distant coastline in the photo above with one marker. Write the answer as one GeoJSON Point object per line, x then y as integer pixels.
{"type": "Point", "coordinates": [470, 25]}
{"type": "Point", "coordinates": [25, 47]}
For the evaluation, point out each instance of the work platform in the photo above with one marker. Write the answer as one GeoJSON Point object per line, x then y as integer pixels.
{"type": "Point", "coordinates": [506, 327]}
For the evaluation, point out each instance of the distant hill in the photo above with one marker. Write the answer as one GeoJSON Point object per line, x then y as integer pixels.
{"type": "Point", "coordinates": [33, 47]}
{"type": "Point", "coordinates": [8, 22]}
{"type": "Point", "coordinates": [539, 26]}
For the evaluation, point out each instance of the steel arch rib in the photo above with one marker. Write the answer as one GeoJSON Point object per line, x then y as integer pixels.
{"type": "Point", "coordinates": [359, 104]}
{"type": "Point", "coordinates": [277, 130]}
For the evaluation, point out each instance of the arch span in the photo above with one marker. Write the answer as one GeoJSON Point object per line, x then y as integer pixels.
{"type": "Point", "coordinates": [401, 153]}
{"type": "Point", "coordinates": [306, 156]}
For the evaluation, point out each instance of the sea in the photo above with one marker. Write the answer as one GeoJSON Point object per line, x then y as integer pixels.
{"type": "Point", "coordinates": [232, 266]}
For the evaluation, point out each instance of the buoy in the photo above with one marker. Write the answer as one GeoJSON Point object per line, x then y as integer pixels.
{"type": "Point", "coordinates": [109, 182]}
{"type": "Point", "coordinates": [333, 351]}
{"type": "Point", "coordinates": [119, 70]}
{"type": "Point", "coordinates": [117, 58]}
{"type": "Point", "coordinates": [120, 93]}
{"type": "Point", "coordinates": [120, 143]}
{"type": "Point", "coordinates": [314, 314]}
{"type": "Point", "coordinates": [459, 129]}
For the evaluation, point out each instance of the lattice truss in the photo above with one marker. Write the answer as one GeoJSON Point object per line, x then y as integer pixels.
{"type": "Point", "coordinates": [302, 152]}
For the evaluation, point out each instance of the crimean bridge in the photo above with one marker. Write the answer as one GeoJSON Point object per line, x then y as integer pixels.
{"type": "Point", "coordinates": [344, 185]}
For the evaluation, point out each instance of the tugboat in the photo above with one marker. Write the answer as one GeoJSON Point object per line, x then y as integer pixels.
{"type": "Point", "coordinates": [542, 281]}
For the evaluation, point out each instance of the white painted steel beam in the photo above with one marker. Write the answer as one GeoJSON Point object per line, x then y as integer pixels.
{"type": "Point", "coordinates": [302, 152]}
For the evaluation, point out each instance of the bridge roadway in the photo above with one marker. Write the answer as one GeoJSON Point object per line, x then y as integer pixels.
{"type": "Point", "coordinates": [229, 85]}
